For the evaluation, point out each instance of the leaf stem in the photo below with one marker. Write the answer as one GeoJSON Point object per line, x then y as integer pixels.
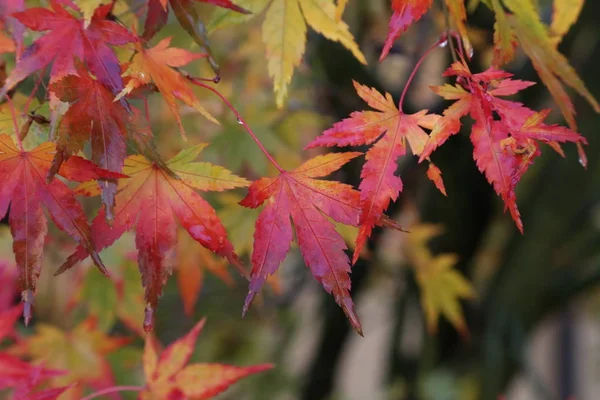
{"type": "Point", "coordinates": [240, 119]}
{"type": "Point", "coordinates": [113, 389]}
{"type": "Point", "coordinates": [443, 39]}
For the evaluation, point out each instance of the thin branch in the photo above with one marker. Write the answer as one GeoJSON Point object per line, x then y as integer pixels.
{"type": "Point", "coordinates": [442, 40]}
{"type": "Point", "coordinates": [240, 119]}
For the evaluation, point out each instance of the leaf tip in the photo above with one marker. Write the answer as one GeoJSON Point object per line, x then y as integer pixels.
{"type": "Point", "coordinates": [148, 318]}
{"type": "Point", "coordinates": [248, 302]}
{"type": "Point", "coordinates": [27, 299]}
{"type": "Point", "coordinates": [348, 307]}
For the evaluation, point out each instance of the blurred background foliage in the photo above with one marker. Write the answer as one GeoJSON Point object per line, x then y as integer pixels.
{"type": "Point", "coordinates": [531, 317]}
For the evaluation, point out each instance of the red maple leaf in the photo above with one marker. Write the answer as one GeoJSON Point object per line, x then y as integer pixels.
{"type": "Point", "coordinates": [151, 200]}
{"type": "Point", "coordinates": [24, 187]}
{"type": "Point", "coordinates": [68, 39]}
{"type": "Point", "coordinates": [405, 13]}
{"type": "Point", "coordinates": [307, 201]}
{"type": "Point", "coordinates": [391, 129]}
{"type": "Point", "coordinates": [505, 132]}
{"type": "Point", "coordinates": [93, 116]}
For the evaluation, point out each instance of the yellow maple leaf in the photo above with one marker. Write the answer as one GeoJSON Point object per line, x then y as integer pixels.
{"type": "Point", "coordinates": [505, 40]}
{"type": "Point", "coordinates": [458, 15]}
{"type": "Point", "coordinates": [564, 15]}
{"type": "Point", "coordinates": [442, 287]}
{"type": "Point", "coordinates": [340, 8]}
{"type": "Point", "coordinates": [284, 33]}
{"type": "Point", "coordinates": [553, 67]}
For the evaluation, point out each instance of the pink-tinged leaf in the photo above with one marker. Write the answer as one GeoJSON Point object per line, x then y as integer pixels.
{"type": "Point", "coordinates": [392, 131]}
{"type": "Point", "coordinates": [297, 197]}
{"type": "Point", "coordinates": [505, 134]}
{"type": "Point", "coordinates": [405, 13]}
{"type": "Point", "coordinates": [152, 201]}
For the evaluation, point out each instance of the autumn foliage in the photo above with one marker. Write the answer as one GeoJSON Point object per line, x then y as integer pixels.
{"type": "Point", "coordinates": [94, 72]}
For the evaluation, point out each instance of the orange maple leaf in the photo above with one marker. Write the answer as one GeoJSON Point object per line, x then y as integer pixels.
{"type": "Point", "coordinates": [80, 352]}
{"type": "Point", "coordinates": [155, 65]}
{"type": "Point", "coordinates": [168, 376]}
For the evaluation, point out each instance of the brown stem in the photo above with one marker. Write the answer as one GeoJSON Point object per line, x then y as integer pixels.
{"type": "Point", "coordinates": [240, 119]}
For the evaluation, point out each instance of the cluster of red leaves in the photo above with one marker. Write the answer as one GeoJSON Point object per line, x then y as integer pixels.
{"type": "Point", "coordinates": [505, 132]}
{"type": "Point", "coordinates": [504, 138]}
{"type": "Point", "coordinates": [86, 73]}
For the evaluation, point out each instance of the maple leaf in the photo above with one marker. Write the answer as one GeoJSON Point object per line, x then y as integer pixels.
{"type": "Point", "coordinates": [504, 146]}
{"type": "Point", "coordinates": [81, 351]}
{"type": "Point", "coordinates": [24, 187]}
{"type": "Point", "coordinates": [391, 129]}
{"type": "Point", "coordinates": [405, 13]}
{"type": "Point", "coordinates": [67, 40]}
{"type": "Point", "coordinates": [93, 116]}
{"type": "Point", "coordinates": [307, 201]}
{"type": "Point", "coordinates": [191, 263]}
{"type": "Point", "coordinates": [441, 286]}
{"type": "Point", "coordinates": [154, 65]}
{"type": "Point", "coordinates": [284, 34]}
{"type": "Point", "coordinates": [564, 15]}
{"type": "Point", "coordinates": [505, 40]}
{"type": "Point", "coordinates": [458, 14]}
{"type": "Point", "coordinates": [168, 376]}
{"type": "Point", "coordinates": [150, 200]}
